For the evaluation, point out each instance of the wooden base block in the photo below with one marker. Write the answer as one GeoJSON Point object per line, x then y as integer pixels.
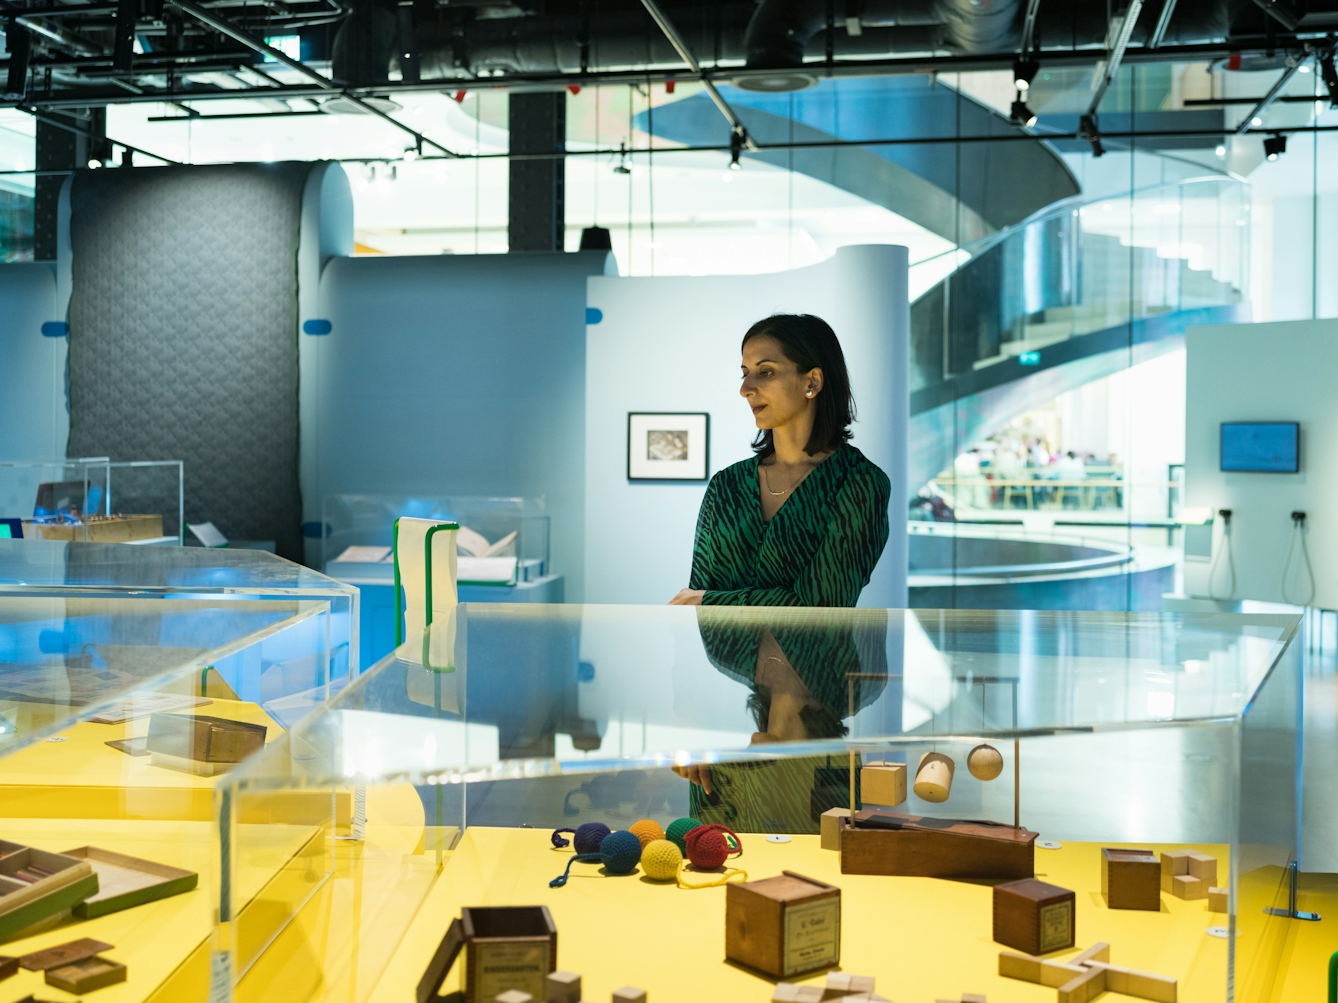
{"type": "Point", "coordinates": [829, 827]}
{"type": "Point", "coordinates": [948, 849]}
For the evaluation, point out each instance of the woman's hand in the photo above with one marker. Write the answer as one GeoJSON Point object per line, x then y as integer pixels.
{"type": "Point", "coordinates": [687, 597]}
{"type": "Point", "coordinates": [699, 775]}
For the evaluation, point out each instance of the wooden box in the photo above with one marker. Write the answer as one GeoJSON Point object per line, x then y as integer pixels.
{"type": "Point", "coordinates": [1131, 879]}
{"type": "Point", "coordinates": [1034, 917]}
{"type": "Point", "coordinates": [128, 881]}
{"type": "Point", "coordinates": [915, 846]}
{"type": "Point", "coordinates": [882, 783]}
{"type": "Point", "coordinates": [106, 529]}
{"type": "Point", "coordinates": [203, 739]}
{"type": "Point", "coordinates": [63, 954]}
{"type": "Point", "coordinates": [783, 926]}
{"type": "Point", "coordinates": [506, 948]}
{"type": "Point", "coordinates": [36, 887]}
{"type": "Point", "coordinates": [87, 975]}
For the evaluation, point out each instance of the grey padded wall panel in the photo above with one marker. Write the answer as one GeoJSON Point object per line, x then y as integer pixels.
{"type": "Point", "coordinates": [183, 334]}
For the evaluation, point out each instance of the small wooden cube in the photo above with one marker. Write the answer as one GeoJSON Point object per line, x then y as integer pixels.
{"type": "Point", "coordinates": [1203, 867]}
{"type": "Point", "coordinates": [1130, 879]}
{"type": "Point", "coordinates": [1173, 863]}
{"type": "Point", "coordinates": [1185, 886]}
{"type": "Point", "coordinates": [788, 992]}
{"type": "Point", "coordinates": [973, 998]}
{"type": "Point", "coordinates": [564, 987]}
{"type": "Point", "coordinates": [1034, 917]}
{"type": "Point", "coordinates": [628, 994]}
{"type": "Point", "coordinates": [829, 827]}
{"type": "Point", "coordinates": [783, 926]}
{"type": "Point", "coordinates": [1218, 900]}
{"type": "Point", "coordinates": [883, 783]}
{"type": "Point", "coordinates": [514, 996]}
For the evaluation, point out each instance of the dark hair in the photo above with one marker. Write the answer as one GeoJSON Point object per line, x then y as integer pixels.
{"type": "Point", "coordinates": [810, 343]}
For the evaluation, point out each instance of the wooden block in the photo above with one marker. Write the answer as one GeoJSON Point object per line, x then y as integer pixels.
{"type": "Point", "coordinates": [86, 975]}
{"type": "Point", "coordinates": [204, 739]}
{"type": "Point", "coordinates": [788, 992]}
{"type": "Point", "coordinates": [1144, 985]}
{"type": "Point", "coordinates": [883, 783]}
{"type": "Point", "coordinates": [1032, 969]}
{"type": "Point", "coordinates": [861, 983]}
{"type": "Point", "coordinates": [564, 987]}
{"type": "Point", "coordinates": [1218, 901]}
{"type": "Point", "coordinates": [973, 998]}
{"type": "Point", "coordinates": [63, 954]}
{"type": "Point", "coordinates": [1183, 886]}
{"type": "Point", "coordinates": [1130, 879]}
{"type": "Point", "coordinates": [783, 926]}
{"type": "Point", "coordinates": [1089, 985]}
{"type": "Point", "coordinates": [829, 827]}
{"type": "Point", "coordinates": [1173, 863]}
{"type": "Point", "coordinates": [514, 996]}
{"type": "Point", "coordinates": [889, 843]}
{"type": "Point", "coordinates": [1033, 916]}
{"type": "Point", "coordinates": [627, 994]}
{"type": "Point", "coordinates": [1100, 951]}
{"type": "Point", "coordinates": [1203, 867]}
{"type": "Point", "coordinates": [839, 981]}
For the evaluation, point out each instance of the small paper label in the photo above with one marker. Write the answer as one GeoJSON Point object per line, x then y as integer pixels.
{"type": "Point", "coordinates": [1056, 924]}
{"type": "Point", "coordinates": [220, 977]}
{"type": "Point", "coordinates": [522, 966]}
{"type": "Point", "coordinates": [812, 935]}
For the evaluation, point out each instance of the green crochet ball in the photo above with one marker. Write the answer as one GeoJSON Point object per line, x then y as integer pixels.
{"type": "Point", "coordinates": [678, 829]}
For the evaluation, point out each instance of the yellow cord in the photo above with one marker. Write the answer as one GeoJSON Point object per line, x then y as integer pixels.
{"type": "Point", "coordinates": [730, 874]}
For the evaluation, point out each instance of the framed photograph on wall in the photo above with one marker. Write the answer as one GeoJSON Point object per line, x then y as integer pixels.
{"type": "Point", "coordinates": [668, 447]}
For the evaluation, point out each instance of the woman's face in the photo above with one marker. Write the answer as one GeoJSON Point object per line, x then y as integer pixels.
{"type": "Point", "coordinates": [773, 386]}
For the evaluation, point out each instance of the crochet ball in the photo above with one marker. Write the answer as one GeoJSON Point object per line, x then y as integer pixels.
{"type": "Point", "coordinates": [647, 830]}
{"type": "Point", "coordinates": [707, 847]}
{"type": "Point", "coordinates": [589, 837]}
{"type": "Point", "coordinates": [621, 851]}
{"type": "Point", "coordinates": [678, 829]}
{"type": "Point", "coordinates": [660, 860]}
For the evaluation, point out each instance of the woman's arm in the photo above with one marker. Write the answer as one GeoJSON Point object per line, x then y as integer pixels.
{"type": "Point", "coordinates": [852, 541]}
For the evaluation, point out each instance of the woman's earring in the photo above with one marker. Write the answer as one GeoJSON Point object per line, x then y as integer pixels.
{"type": "Point", "coordinates": [809, 394]}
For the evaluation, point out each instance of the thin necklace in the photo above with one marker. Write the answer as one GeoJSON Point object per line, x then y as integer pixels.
{"type": "Point", "coordinates": [766, 483]}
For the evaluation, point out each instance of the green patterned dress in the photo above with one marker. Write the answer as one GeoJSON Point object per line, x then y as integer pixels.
{"type": "Point", "coordinates": [819, 549]}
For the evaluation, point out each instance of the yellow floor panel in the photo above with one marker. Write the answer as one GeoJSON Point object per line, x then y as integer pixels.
{"type": "Point", "coordinates": [155, 939]}
{"type": "Point", "coordinates": [923, 939]}
{"type": "Point", "coordinates": [1309, 945]}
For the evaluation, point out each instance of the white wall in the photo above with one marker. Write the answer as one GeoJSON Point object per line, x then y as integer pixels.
{"type": "Point", "coordinates": [34, 424]}
{"type": "Point", "coordinates": [1265, 372]}
{"type": "Point", "coordinates": [672, 344]}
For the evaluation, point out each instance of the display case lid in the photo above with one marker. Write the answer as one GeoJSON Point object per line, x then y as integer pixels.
{"type": "Point", "coordinates": [502, 691]}
{"type": "Point", "coordinates": [26, 565]}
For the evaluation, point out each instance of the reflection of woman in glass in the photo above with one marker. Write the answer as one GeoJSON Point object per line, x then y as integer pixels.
{"type": "Point", "coordinates": [804, 521]}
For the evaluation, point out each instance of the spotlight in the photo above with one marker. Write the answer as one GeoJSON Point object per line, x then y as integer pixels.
{"type": "Point", "coordinates": [1024, 70]}
{"type": "Point", "coordinates": [1087, 130]}
{"type": "Point", "coordinates": [1021, 114]}
{"type": "Point", "coordinates": [1275, 146]}
{"type": "Point", "coordinates": [622, 167]}
{"type": "Point", "coordinates": [1220, 151]}
{"type": "Point", "coordinates": [19, 44]}
{"type": "Point", "coordinates": [735, 150]}
{"type": "Point", "coordinates": [94, 163]}
{"type": "Point", "coordinates": [410, 155]}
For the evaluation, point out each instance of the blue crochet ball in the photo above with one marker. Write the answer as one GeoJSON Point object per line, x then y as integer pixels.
{"type": "Point", "coordinates": [589, 837]}
{"type": "Point", "coordinates": [621, 852]}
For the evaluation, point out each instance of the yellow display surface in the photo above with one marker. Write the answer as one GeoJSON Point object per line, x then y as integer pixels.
{"type": "Point", "coordinates": [81, 776]}
{"type": "Point", "coordinates": [154, 939]}
{"type": "Point", "coordinates": [921, 938]}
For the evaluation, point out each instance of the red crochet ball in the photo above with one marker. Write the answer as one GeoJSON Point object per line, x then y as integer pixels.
{"type": "Point", "coordinates": [709, 845]}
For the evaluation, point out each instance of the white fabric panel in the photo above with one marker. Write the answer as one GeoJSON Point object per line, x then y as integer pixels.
{"type": "Point", "coordinates": [411, 555]}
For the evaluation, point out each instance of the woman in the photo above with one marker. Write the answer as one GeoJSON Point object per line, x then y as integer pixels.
{"type": "Point", "coordinates": [804, 521]}
{"type": "Point", "coordinates": [801, 523]}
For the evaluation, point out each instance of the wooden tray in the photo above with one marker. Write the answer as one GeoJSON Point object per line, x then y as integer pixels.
{"type": "Point", "coordinates": [124, 882]}
{"type": "Point", "coordinates": [87, 975]}
{"type": "Point", "coordinates": [935, 848]}
{"type": "Point", "coordinates": [25, 905]}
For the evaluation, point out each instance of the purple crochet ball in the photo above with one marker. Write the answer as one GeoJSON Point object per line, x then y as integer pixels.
{"type": "Point", "coordinates": [589, 836]}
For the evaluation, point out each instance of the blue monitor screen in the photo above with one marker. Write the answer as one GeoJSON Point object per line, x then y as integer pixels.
{"type": "Point", "coordinates": [1269, 447]}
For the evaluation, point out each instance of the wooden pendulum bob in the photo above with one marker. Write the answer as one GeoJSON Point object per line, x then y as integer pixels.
{"type": "Point", "coordinates": [933, 779]}
{"type": "Point", "coordinates": [985, 762]}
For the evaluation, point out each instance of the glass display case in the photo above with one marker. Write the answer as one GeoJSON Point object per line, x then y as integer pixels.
{"type": "Point", "coordinates": [117, 715]}
{"type": "Point", "coordinates": [1107, 754]}
{"type": "Point", "coordinates": [502, 545]}
{"type": "Point", "coordinates": [93, 499]}
{"type": "Point", "coordinates": [42, 567]}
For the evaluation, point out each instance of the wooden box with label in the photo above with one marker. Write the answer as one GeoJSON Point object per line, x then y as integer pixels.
{"type": "Point", "coordinates": [1034, 917]}
{"type": "Point", "coordinates": [783, 926]}
{"type": "Point", "coordinates": [506, 948]}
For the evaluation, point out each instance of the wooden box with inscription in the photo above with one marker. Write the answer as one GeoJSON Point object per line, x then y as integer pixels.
{"type": "Point", "coordinates": [1033, 916]}
{"type": "Point", "coordinates": [506, 948]}
{"type": "Point", "coordinates": [783, 926]}
{"type": "Point", "coordinates": [874, 842]}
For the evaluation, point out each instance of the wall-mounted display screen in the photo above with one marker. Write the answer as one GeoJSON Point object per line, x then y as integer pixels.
{"type": "Point", "coordinates": [1267, 447]}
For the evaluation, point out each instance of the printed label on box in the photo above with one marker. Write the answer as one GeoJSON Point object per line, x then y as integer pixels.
{"type": "Point", "coordinates": [812, 935]}
{"type": "Point", "coordinates": [1056, 922]}
{"type": "Point", "coordinates": [511, 966]}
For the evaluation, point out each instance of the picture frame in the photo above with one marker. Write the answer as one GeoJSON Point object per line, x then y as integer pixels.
{"type": "Point", "coordinates": [668, 446]}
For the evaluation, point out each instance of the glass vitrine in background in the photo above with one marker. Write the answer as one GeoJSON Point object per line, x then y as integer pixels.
{"type": "Point", "coordinates": [443, 767]}
{"type": "Point", "coordinates": [117, 716]}
{"type": "Point", "coordinates": [93, 499]}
